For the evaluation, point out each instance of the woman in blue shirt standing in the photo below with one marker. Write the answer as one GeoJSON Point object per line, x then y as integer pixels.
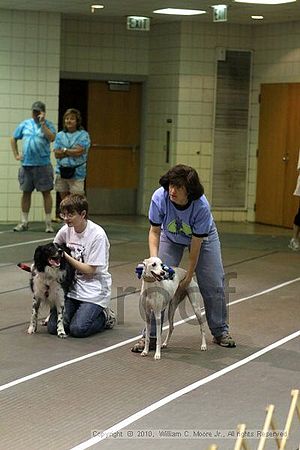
{"type": "Point", "coordinates": [180, 217]}
{"type": "Point", "coordinates": [71, 147]}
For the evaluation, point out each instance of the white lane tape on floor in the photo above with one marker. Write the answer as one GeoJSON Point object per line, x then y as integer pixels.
{"type": "Point", "coordinates": [169, 398]}
{"type": "Point", "coordinates": [26, 243]}
{"type": "Point", "coordinates": [121, 344]}
{"type": "Point", "coordinates": [266, 291]}
{"type": "Point", "coordinates": [66, 363]}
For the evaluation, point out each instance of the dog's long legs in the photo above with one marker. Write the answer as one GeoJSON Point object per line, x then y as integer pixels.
{"type": "Point", "coordinates": [179, 295]}
{"type": "Point", "coordinates": [147, 334]}
{"type": "Point", "coordinates": [197, 310]}
{"type": "Point", "coordinates": [158, 335]}
{"type": "Point", "coordinates": [171, 312]}
{"type": "Point", "coordinates": [34, 315]}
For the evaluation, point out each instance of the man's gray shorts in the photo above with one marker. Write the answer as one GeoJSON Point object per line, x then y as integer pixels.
{"type": "Point", "coordinates": [36, 177]}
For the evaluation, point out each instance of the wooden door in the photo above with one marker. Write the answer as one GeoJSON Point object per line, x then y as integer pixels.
{"type": "Point", "coordinates": [278, 144]}
{"type": "Point", "coordinates": [291, 202]}
{"type": "Point", "coordinates": [113, 164]}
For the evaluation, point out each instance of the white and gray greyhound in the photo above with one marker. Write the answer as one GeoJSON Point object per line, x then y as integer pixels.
{"type": "Point", "coordinates": [159, 289]}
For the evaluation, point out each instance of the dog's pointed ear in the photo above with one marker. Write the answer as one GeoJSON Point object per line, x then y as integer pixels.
{"type": "Point", "coordinates": [139, 269]}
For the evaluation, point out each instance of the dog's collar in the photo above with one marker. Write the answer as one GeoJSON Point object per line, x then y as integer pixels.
{"type": "Point", "coordinates": [169, 272]}
{"type": "Point", "coordinates": [149, 279]}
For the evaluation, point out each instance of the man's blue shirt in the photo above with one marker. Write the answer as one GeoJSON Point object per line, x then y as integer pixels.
{"type": "Point", "coordinates": [35, 145]}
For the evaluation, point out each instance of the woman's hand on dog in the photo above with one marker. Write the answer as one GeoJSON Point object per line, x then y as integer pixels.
{"type": "Point", "coordinates": [84, 268]}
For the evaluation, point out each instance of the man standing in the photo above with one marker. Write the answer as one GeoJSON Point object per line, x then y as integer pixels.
{"type": "Point", "coordinates": [36, 171]}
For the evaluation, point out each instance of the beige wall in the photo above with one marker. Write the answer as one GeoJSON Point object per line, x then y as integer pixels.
{"type": "Point", "coordinates": [29, 71]}
{"type": "Point", "coordinates": [179, 63]}
{"type": "Point", "coordinates": [183, 89]}
{"type": "Point", "coordinates": [92, 46]}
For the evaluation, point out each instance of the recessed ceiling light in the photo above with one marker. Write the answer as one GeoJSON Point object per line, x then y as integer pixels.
{"type": "Point", "coordinates": [257, 17]}
{"type": "Point", "coordinates": [265, 2]}
{"type": "Point", "coordinates": [179, 12]}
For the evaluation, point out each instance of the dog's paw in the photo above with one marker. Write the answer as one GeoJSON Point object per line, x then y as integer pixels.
{"type": "Point", "coordinates": [31, 329]}
{"type": "Point", "coordinates": [164, 344]}
{"type": "Point", "coordinates": [157, 356]}
{"type": "Point", "coordinates": [144, 353]}
{"type": "Point", "coordinates": [203, 347]}
{"type": "Point", "coordinates": [62, 335]}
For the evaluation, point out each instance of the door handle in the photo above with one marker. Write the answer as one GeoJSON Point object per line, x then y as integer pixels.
{"type": "Point", "coordinates": [286, 157]}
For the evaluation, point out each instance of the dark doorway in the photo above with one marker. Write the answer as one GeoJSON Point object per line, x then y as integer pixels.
{"type": "Point", "coordinates": [73, 94]}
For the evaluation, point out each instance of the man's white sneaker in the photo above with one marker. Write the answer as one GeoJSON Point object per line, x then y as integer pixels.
{"type": "Point", "coordinates": [49, 228]}
{"type": "Point", "coordinates": [23, 226]}
{"type": "Point", "coordinates": [294, 245]}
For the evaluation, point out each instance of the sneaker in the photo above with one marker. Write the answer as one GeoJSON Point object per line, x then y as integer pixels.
{"type": "Point", "coordinates": [110, 317]}
{"type": "Point", "coordinates": [294, 245]}
{"type": "Point", "coordinates": [140, 345]}
{"type": "Point", "coordinates": [49, 228]}
{"type": "Point", "coordinates": [225, 340]}
{"type": "Point", "coordinates": [23, 226]}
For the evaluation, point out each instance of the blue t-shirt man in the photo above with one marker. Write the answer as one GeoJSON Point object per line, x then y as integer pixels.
{"type": "Point", "coordinates": [36, 171]}
{"type": "Point", "coordinates": [35, 144]}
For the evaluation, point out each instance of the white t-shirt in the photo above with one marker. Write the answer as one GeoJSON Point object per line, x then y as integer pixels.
{"type": "Point", "coordinates": [90, 247]}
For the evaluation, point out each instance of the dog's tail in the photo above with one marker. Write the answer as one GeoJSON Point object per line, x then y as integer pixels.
{"type": "Point", "coordinates": [24, 267]}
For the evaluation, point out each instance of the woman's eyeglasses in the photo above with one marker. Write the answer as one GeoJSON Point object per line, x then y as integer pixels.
{"type": "Point", "coordinates": [67, 215]}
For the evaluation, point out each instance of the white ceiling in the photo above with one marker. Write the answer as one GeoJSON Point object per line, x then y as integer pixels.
{"type": "Point", "coordinates": [238, 13]}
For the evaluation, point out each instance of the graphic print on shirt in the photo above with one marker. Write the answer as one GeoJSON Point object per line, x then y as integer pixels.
{"type": "Point", "coordinates": [77, 252]}
{"type": "Point", "coordinates": [177, 226]}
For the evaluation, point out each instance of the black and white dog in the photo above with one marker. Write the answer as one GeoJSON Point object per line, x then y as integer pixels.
{"type": "Point", "coordinates": [51, 278]}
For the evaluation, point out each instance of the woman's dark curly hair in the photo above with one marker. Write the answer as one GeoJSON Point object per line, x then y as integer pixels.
{"type": "Point", "coordinates": [181, 175]}
{"type": "Point", "coordinates": [77, 114]}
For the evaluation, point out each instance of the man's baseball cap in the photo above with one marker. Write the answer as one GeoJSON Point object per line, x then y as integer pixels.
{"type": "Point", "coordinates": [38, 106]}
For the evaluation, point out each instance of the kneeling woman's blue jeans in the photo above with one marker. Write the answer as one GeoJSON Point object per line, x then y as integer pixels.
{"type": "Point", "coordinates": [81, 319]}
